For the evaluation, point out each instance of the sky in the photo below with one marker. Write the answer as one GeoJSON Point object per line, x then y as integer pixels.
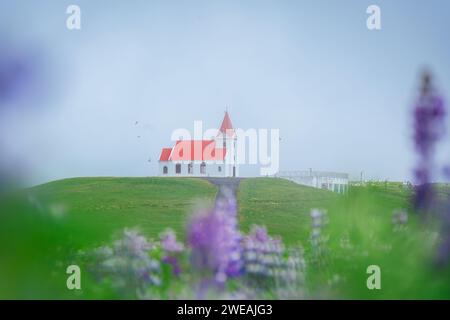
{"type": "Point", "coordinates": [340, 94]}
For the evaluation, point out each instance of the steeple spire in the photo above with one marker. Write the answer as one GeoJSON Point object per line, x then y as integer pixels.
{"type": "Point", "coordinates": [227, 126]}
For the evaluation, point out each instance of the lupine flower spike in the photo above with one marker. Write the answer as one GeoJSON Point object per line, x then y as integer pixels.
{"type": "Point", "coordinates": [429, 114]}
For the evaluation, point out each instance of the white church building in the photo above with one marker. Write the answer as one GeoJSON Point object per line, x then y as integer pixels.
{"type": "Point", "coordinates": [202, 158]}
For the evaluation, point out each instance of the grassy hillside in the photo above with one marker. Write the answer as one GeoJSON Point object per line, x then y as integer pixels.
{"type": "Point", "coordinates": [152, 204]}
{"type": "Point", "coordinates": [359, 233]}
{"type": "Point", "coordinates": [43, 234]}
{"type": "Point", "coordinates": [283, 206]}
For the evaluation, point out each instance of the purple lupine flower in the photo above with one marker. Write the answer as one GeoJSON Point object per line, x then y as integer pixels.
{"type": "Point", "coordinates": [212, 240]}
{"type": "Point", "coordinates": [169, 242]}
{"type": "Point", "coordinates": [128, 264]}
{"type": "Point", "coordinates": [15, 72]}
{"type": "Point", "coordinates": [23, 77]}
{"type": "Point", "coordinates": [171, 248]}
{"type": "Point", "coordinates": [260, 233]}
{"type": "Point", "coordinates": [429, 115]}
{"type": "Point", "coordinates": [133, 243]}
{"type": "Point", "coordinates": [268, 264]}
{"type": "Point", "coordinates": [173, 261]}
{"type": "Point", "coordinates": [262, 253]}
{"type": "Point", "coordinates": [215, 241]}
{"type": "Point", "coordinates": [318, 219]}
{"type": "Point", "coordinates": [317, 239]}
{"type": "Point", "coordinates": [429, 126]}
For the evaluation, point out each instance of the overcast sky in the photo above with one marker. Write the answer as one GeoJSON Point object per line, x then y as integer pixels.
{"type": "Point", "coordinates": [340, 94]}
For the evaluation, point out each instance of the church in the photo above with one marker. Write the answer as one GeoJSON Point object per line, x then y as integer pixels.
{"type": "Point", "coordinates": [202, 158]}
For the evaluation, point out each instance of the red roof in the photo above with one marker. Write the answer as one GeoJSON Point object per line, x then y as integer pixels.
{"type": "Point", "coordinates": [193, 150]}
{"type": "Point", "coordinates": [227, 126]}
{"type": "Point", "coordinates": [165, 154]}
{"type": "Point", "coordinates": [199, 150]}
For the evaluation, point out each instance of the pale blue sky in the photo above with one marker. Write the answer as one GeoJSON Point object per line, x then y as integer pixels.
{"type": "Point", "coordinates": [340, 94]}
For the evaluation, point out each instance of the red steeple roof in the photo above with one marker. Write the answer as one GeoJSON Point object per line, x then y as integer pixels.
{"type": "Point", "coordinates": [227, 126]}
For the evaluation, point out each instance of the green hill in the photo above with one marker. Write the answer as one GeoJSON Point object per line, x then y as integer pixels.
{"type": "Point", "coordinates": [42, 227]}
{"type": "Point", "coordinates": [154, 204]}
{"type": "Point", "coordinates": [151, 204]}
{"type": "Point", "coordinates": [281, 205]}
{"type": "Point", "coordinates": [36, 238]}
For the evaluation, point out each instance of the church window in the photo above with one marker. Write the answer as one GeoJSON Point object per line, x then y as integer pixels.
{"type": "Point", "coordinates": [203, 168]}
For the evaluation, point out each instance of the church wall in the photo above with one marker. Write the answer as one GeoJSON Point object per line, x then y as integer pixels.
{"type": "Point", "coordinates": [212, 169]}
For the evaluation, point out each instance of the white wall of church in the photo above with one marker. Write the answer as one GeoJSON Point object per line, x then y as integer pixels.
{"type": "Point", "coordinates": [212, 169]}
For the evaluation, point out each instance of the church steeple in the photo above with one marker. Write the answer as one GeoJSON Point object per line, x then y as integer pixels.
{"type": "Point", "coordinates": [227, 126]}
{"type": "Point", "coordinates": [227, 139]}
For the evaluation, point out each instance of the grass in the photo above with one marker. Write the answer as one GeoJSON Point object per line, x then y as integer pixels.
{"type": "Point", "coordinates": [96, 208]}
{"type": "Point", "coordinates": [151, 204]}
{"type": "Point", "coordinates": [42, 228]}
{"type": "Point", "coordinates": [154, 204]}
{"type": "Point", "coordinates": [363, 220]}
{"type": "Point", "coordinates": [281, 205]}
{"type": "Point", "coordinates": [406, 255]}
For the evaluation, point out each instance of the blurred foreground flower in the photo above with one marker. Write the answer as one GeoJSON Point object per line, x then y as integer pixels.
{"type": "Point", "coordinates": [128, 264]}
{"type": "Point", "coordinates": [429, 116]}
{"type": "Point", "coordinates": [16, 72]}
{"type": "Point", "coordinates": [215, 242]}
{"type": "Point", "coordinates": [269, 266]}
{"type": "Point", "coordinates": [429, 128]}
{"type": "Point", "coordinates": [171, 248]}
{"type": "Point", "coordinates": [318, 239]}
{"type": "Point", "coordinates": [25, 76]}
{"type": "Point", "coordinates": [262, 254]}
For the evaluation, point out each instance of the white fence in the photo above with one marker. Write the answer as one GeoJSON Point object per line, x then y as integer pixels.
{"type": "Point", "coordinates": [333, 181]}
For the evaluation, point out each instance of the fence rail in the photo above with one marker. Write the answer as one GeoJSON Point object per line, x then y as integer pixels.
{"type": "Point", "coordinates": [310, 173]}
